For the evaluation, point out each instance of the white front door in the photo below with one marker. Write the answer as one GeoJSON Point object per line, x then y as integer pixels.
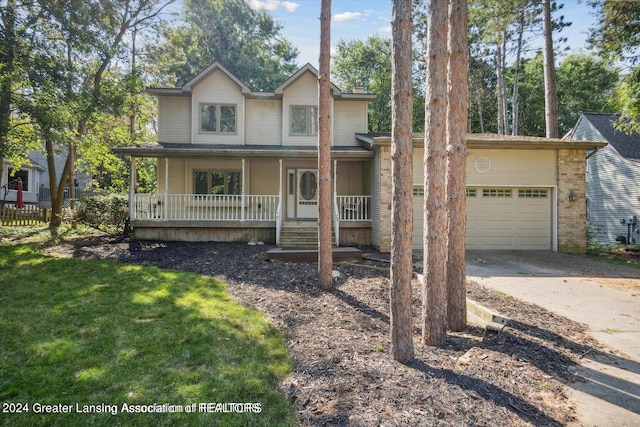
{"type": "Point", "coordinates": [307, 193]}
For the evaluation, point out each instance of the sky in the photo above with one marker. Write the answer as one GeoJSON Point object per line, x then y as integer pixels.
{"type": "Point", "coordinates": [358, 19]}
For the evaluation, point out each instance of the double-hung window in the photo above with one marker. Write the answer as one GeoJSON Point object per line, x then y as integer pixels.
{"type": "Point", "coordinates": [218, 182]}
{"type": "Point", "coordinates": [304, 120]}
{"type": "Point", "coordinates": [217, 118]}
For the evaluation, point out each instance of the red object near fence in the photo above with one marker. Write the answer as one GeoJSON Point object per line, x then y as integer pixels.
{"type": "Point", "coordinates": [19, 196]}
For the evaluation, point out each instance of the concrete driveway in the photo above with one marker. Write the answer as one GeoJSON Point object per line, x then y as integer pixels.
{"type": "Point", "coordinates": [603, 296]}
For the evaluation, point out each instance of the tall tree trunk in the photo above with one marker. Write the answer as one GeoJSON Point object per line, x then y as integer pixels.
{"type": "Point", "coordinates": [500, 87]}
{"type": "Point", "coordinates": [56, 189]}
{"type": "Point", "coordinates": [550, 101]}
{"type": "Point", "coordinates": [402, 187]}
{"type": "Point", "coordinates": [7, 55]}
{"type": "Point", "coordinates": [516, 78]}
{"type": "Point", "coordinates": [325, 260]}
{"type": "Point", "coordinates": [434, 296]}
{"type": "Point", "coordinates": [458, 101]}
{"type": "Point", "coordinates": [503, 95]}
{"type": "Point", "coordinates": [480, 116]}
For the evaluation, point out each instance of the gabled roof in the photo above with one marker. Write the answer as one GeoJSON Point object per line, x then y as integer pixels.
{"type": "Point", "coordinates": [210, 69]}
{"type": "Point", "coordinates": [308, 68]}
{"type": "Point", "coordinates": [246, 91]}
{"type": "Point", "coordinates": [628, 145]}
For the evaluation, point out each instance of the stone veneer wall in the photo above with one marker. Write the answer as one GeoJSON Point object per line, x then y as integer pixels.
{"type": "Point", "coordinates": [572, 221]}
{"type": "Point", "coordinates": [385, 199]}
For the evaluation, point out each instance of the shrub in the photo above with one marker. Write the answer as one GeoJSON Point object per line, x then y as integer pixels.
{"type": "Point", "coordinates": [107, 213]}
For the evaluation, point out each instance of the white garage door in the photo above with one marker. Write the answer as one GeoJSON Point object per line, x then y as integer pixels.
{"type": "Point", "coordinates": [500, 218]}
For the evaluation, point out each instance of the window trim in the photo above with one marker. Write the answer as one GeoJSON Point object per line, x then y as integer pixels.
{"type": "Point", "coordinates": [210, 173]}
{"type": "Point", "coordinates": [308, 125]}
{"type": "Point", "coordinates": [218, 113]}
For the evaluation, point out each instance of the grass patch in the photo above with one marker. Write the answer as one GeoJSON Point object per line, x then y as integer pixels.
{"type": "Point", "coordinates": [102, 333]}
{"type": "Point", "coordinates": [627, 255]}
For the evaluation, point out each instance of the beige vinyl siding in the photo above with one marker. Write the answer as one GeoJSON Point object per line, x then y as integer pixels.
{"type": "Point", "coordinates": [506, 167]}
{"type": "Point", "coordinates": [262, 177]}
{"type": "Point", "coordinates": [217, 88]}
{"type": "Point", "coordinates": [174, 115]}
{"type": "Point", "coordinates": [512, 167]}
{"type": "Point", "coordinates": [303, 93]}
{"type": "Point", "coordinates": [176, 176]}
{"type": "Point", "coordinates": [349, 117]}
{"type": "Point", "coordinates": [350, 179]}
{"type": "Point", "coordinates": [263, 122]}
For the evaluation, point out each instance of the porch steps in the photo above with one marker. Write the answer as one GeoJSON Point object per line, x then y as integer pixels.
{"type": "Point", "coordinates": [298, 235]}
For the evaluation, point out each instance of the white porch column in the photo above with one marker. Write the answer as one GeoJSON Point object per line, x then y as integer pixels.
{"type": "Point", "coordinates": [166, 188]}
{"type": "Point", "coordinates": [280, 183]}
{"type": "Point", "coordinates": [335, 188]}
{"type": "Point", "coordinates": [279, 213]}
{"type": "Point", "coordinates": [132, 188]}
{"type": "Point", "coordinates": [242, 193]}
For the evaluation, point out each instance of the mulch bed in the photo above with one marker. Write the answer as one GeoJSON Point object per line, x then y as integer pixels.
{"type": "Point", "coordinates": [339, 342]}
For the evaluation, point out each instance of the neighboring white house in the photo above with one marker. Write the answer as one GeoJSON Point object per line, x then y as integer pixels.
{"type": "Point", "coordinates": [35, 179]}
{"type": "Point", "coordinates": [612, 175]}
{"type": "Point", "coordinates": [235, 165]}
{"type": "Point", "coordinates": [33, 176]}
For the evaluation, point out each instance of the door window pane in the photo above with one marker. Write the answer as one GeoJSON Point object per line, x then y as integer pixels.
{"type": "Point", "coordinates": [308, 185]}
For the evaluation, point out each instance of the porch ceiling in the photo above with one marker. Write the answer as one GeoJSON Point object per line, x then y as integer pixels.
{"type": "Point", "coordinates": [245, 151]}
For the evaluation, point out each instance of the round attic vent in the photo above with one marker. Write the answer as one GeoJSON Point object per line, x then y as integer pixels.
{"type": "Point", "coordinates": [482, 164]}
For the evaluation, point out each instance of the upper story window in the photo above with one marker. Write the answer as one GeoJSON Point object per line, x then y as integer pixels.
{"type": "Point", "coordinates": [217, 118]}
{"type": "Point", "coordinates": [304, 120]}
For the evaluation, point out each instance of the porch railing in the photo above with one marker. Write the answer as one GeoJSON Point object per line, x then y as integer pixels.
{"type": "Point", "coordinates": [354, 208]}
{"type": "Point", "coordinates": [205, 207]}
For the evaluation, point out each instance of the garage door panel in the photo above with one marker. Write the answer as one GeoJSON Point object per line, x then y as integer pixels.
{"type": "Point", "coordinates": [511, 219]}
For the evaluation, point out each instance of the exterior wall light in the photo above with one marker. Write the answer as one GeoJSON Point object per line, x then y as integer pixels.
{"type": "Point", "coordinates": [573, 196]}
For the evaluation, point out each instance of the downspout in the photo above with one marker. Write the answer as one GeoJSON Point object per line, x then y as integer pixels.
{"type": "Point", "coordinates": [595, 150]}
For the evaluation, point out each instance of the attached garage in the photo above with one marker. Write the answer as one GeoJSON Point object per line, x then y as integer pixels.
{"type": "Point", "coordinates": [523, 193]}
{"type": "Point", "coordinates": [510, 197]}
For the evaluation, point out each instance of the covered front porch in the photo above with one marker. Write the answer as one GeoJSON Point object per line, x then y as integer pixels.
{"type": "Point", "coordinates": [257, 197]}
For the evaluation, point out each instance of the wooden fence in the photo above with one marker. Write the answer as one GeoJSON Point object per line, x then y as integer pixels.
{"type": "Point", "coordinates": [28, 215]}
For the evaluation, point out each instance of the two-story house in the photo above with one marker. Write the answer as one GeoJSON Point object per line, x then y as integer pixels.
{"type": "Point", "coordinates": [237, 165]}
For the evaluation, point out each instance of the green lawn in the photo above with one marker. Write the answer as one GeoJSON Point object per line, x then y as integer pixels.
{"type": "Point", "coordinates": [98, 335]}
